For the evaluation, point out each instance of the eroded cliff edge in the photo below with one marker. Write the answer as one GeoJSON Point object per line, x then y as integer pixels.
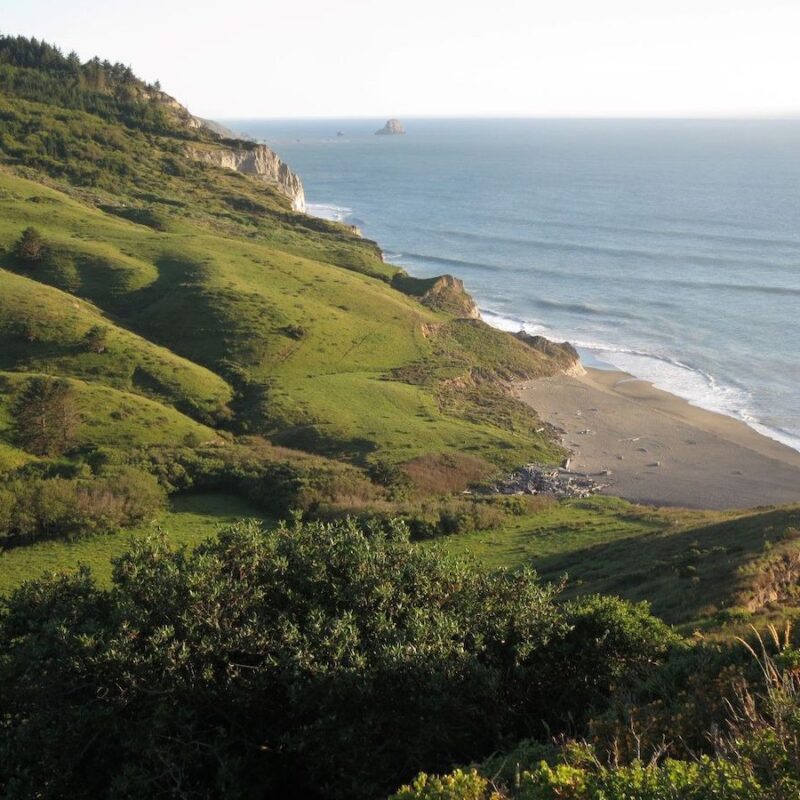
{"type": "Point", "coordinates": [253, 159]}
{"type": "Point", "coordinates": [229, 150]}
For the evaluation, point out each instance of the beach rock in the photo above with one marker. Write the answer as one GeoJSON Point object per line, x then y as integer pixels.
{"type": "Point", "coordinates": [536, 479]}
{"type": "Point", "coordinates": [393, 127]}
{"type": "Point", "coordinates": [257, 160]}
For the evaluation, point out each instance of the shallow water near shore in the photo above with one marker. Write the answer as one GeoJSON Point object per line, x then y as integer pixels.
{"type": "Point", "coordinates": [668, 249]}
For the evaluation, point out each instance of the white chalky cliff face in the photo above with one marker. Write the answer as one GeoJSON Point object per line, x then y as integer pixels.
{"type": "Point", "coordinates": [257, 160]}
{"type": "Point", "coordinates": [233, 152]}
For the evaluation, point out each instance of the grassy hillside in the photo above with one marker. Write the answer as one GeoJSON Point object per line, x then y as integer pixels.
{"type": "Point", "coordinates": [45, 330]}
{"type": "Point", "coordinates": [109, 417]}
{"type": "Point", "coordinates": [295, 314]}
{"type": "Point", "coordinates": [694, 567]}
{"type": "Point", "coordinates": [226, 314]}
{"type": "Point", "coordinates": [180, 350]}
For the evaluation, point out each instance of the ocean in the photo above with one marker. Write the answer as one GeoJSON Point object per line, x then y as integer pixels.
{"type": "Point", "coordinates": [669, 249]}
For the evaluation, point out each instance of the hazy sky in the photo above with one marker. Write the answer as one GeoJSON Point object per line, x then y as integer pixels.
{"type": "Point", "coordinates": [442, 57]}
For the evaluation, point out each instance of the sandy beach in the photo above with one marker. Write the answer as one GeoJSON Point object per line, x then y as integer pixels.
{"type": "Point", "coordinates": [657, 448]}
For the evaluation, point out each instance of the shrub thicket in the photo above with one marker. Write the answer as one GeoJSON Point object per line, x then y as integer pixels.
{"type": "Point", "coordinates": [750, 735]}
{"type": "Point", "coordinates": [310, 661]}
{"type": "Point", "coordinates": [34, 508]}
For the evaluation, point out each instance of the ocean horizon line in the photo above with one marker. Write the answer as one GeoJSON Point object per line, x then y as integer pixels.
{"type": "Point", "coordinates": [793, 116]}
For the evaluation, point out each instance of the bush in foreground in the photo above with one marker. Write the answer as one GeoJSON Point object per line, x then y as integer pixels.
{"type": "Point", "coordinates": [316, 660]}
{"type": "Point", "coordinates": [756, 752]}
{"type": "Point", "coordinates": [673, 780]}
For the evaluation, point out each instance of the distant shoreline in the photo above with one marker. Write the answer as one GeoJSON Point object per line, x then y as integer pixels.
{"type": "Point", "coordinates": [340, 213]}
{"type": "Point", "coordinates": [659, 449]}
{"type": "Point", "coordinates": [592, 360]}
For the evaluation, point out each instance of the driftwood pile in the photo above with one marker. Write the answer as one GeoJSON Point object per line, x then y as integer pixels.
{"type": "Point", "coordinates": [535, 479]}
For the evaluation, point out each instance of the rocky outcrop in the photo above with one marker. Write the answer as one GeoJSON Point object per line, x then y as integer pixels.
{"type": "Point", "coordinates": [774, 581]}
{"type": "Point", "coordinates": [562, 352]}
{"type": "Point", "coordinates": [393, 127]}
{"type": "Point", "coordinates": [256, 160]}
{"type": "Point", "coordinates": [448, 294]}
{"type": "Point", "coordinates": [444, 293]}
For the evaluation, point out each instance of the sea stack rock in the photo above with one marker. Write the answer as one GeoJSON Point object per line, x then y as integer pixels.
{"type": "Point", "coordinates": [393, 127]}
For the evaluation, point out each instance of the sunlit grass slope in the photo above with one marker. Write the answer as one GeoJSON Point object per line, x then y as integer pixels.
{"type": "Point", "coordinates": [323, 357]}
{"type": "Point", "coordinates": [107, 418]}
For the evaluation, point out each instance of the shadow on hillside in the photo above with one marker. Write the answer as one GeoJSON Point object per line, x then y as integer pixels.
{"type": "Point", "coordinates": [312, 439]}
{"type": "Point", "coordinates": [685, 574]}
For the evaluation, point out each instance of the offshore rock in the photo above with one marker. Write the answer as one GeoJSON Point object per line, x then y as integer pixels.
{"type": "Point", "coordinates": [393, 127]}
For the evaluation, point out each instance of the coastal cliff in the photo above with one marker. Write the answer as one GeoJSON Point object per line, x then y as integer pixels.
{"type": "Point", "coordinates": [234, 151]}
{"type": "Point", "coordinates": [257, 160]}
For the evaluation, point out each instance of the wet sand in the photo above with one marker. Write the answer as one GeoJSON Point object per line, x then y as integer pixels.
{"type": "Point", "coordinates": [658, 448]}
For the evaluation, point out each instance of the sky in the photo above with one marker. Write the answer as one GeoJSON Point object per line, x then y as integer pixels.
{"type": "Point", "coordinates": [406, 58]}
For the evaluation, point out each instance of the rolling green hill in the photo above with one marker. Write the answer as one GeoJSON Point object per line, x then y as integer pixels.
{"type": "Point", "coordinates": [291, 324]}
{"type": "Point", "coordinates": [110, 417]}
{"type": "Point", "coordinates": [45, 330]}
{"type": "Point", "coordinates": [225, 314]}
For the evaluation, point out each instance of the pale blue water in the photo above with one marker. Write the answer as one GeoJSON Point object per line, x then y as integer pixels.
{"type": "Point", "coordinates": [670, 249]}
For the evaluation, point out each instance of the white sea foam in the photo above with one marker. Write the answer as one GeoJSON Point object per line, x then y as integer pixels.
{"type": "Point", "coordinates": [329, 211]}
{"type": "Point", "coordinates": [695, 386]}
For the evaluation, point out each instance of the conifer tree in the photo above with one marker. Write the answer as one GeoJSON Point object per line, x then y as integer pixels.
{"type": "Point", "coordinates": [30, 246]}
{"type": "Point", "coordinates": [47, 416]}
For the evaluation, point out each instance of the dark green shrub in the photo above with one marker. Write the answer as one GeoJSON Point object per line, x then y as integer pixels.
{"type": "Point", "coordinates": [312, 660]}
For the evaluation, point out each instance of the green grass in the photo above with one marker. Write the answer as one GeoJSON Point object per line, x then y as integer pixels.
{"type": "Point", "coordinates": [185, 302]}
{"type": "Point", "coordinates": [110, 418]}
{"type": "Point", "coordinates": [694, 567]}
{"type": "Point", "coordinates": [190, 519]}
{"type": "Point", "coordinates": [561, 530]}
{"type": "Point", "coordinates": [43, 331]}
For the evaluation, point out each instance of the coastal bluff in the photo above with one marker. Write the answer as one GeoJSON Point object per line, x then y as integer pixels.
{"type": "Point", "coordinates": [393, 127]}
{"type": "Point", "coordinates": [230, 150]}
{"type": "Point", "coordinates": [443, 293]}
{"type": "Point", "coordinates": [253, 159]}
